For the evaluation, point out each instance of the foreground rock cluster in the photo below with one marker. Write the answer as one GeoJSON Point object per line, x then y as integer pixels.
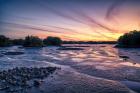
{"type": "Point", "coordinates": [19, 78]}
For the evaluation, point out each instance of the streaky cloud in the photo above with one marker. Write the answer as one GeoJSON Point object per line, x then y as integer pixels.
{"type": "Point", "coordinates": [61, 14]}
{"type": "Point", "coordinates": [28, 27]}
{"type": "Point", "coordinates": [58, 13]}
{"type": "Point", "coordinates": [92, 22]}
{"type": "Point", "coordinates": [110, 11]}
{"type": "Point", "coordinates": [95, 22]}
{"type": "Point", "coordinates": [70, 30]}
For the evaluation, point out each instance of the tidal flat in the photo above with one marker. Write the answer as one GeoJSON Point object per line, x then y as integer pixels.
{"type": "Point", "coordinates": [80, 68]}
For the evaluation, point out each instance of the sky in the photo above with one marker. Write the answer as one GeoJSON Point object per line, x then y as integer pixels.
{"type": "Point", "coordinates": [77, 20]}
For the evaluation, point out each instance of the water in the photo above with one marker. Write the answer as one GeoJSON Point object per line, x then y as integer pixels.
{"type": "Point", "coordinates": [95, 60]}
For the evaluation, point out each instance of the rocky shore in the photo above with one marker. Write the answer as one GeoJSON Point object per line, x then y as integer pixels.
{"type": "Point", "coordinates": [16, 80]}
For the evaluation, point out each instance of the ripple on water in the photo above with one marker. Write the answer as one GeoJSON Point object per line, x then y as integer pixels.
{"type": "Point", "coordinates": [132, 85]}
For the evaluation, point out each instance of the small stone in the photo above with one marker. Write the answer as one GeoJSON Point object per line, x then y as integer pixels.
{"type": "Point", "coordinates": [19, 77]}
{"type": "Point", "coordinates": [125, 58]}
{"type": "Point", "coordinates": [37, 83]}
{"type": "Point", "coordinates": [4, 87]}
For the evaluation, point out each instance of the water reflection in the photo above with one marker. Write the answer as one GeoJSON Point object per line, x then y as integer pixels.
{"type": "Point", "coordinates": [130, 64]}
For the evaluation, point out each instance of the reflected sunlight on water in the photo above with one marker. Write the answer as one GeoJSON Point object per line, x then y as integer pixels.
{"type": "Point", "coordinates": [130, 64]}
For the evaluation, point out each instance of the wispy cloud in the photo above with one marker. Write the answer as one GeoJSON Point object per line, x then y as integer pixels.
{"type": "Point", "coordinates": [111, 10]}
{"type": "Point", "coordinates": [80, 20]}
{"type": "Point", "coordinates": [54, 29]}
{"type": "Point", "coordinates": [47, 8]}
{"type": "Point", "coordinates": [92, 22]}
{"type": "Point", "coordinates": [23, 26]}
{"type": "Point", "coordinates": [70, 31]}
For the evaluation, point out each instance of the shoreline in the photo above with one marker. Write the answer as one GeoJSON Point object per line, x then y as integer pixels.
{"type": "Point", "coordinates": [91, 60]}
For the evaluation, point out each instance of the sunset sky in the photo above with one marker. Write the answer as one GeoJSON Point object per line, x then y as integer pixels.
{"type": "Point", "coordinates": [80, 20]}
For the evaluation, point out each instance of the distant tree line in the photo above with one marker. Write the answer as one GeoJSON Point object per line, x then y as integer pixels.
{"type": "Point", "coordinates": [89, 42]}
{"type": "Point", "coordinates": [129, 40]}
{"type": "Point", "coordinates": [4, 41]}
{"type": "Point", "coordinates": [30, 41]}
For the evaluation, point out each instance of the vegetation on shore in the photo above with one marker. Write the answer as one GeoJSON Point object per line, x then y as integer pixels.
{"type": "Point", "coordinates": [30, 41]}
{"type": "Point", "coordinates": [129, 40]}
{"type": "Point", "coordinates": [52, 41]}
{"type": "Point", "coordinates": [18, 41]}
{"type": "Point", "coordinates": [4, 41]}
{"type": "Point", "coordinates": [17, 79]}
{"type": "Point", "coordinates": [89, 42]}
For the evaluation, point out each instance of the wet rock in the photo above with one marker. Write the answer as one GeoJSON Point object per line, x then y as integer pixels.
{"type": "Point", "coordinates": [18, 77]}
{"type": "Point", "coordinates": [124, 57]}
{"type": "Point", "coordinates": [4, 87]}
{"type": "Point", "coordinates": [37, 83]}
{"type": "Point", "coordinates": [13, 53]}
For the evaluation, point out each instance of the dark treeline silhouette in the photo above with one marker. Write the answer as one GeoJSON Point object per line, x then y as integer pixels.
{"type": "Point", "coordinates": [30, 41]}
{"type": "Point", "coordinates": [4, 41]}
{"type": "Point", "coordinates": [89, 42]}
{"type": "Point", "coordinates": [56, 41]}
{"type": "Point", "coordinates": [18, 41]}
{"type": "Point", "coordinates": [34, 41]}
{"type": "Point", "coordinates": [129, 40]}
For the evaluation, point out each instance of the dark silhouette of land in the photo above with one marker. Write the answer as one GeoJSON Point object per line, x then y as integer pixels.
{"type": "Point", "coordinates": [129, 40]}
{"type": "Point", "coordinates": [34, 41]}
{"type": "Point", "coordinates": [30, 41]}
{"type": "Point", "coordinates": [89, 42]}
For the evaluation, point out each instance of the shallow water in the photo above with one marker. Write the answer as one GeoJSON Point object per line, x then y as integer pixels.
{"type": "Point", "coordinates": [95, 60]}
{"type": "Point", "coordinates": [132, 85]}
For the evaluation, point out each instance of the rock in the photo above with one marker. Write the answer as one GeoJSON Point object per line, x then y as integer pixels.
{"type": "Point", "coordinates": [51, 69]}
{"type": "Point", "coordinates": [14, 90]}
{"type": "Point", "coordinates": [13, 53]}
{"type": "Point", "coordinates": [37, 83]}
{"type": "Point", "coordinates": [4, 87]}
{"type": "Point", "coordinates": [19, 77]}
{"type": "Point", "coordinates": [124, 57]}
